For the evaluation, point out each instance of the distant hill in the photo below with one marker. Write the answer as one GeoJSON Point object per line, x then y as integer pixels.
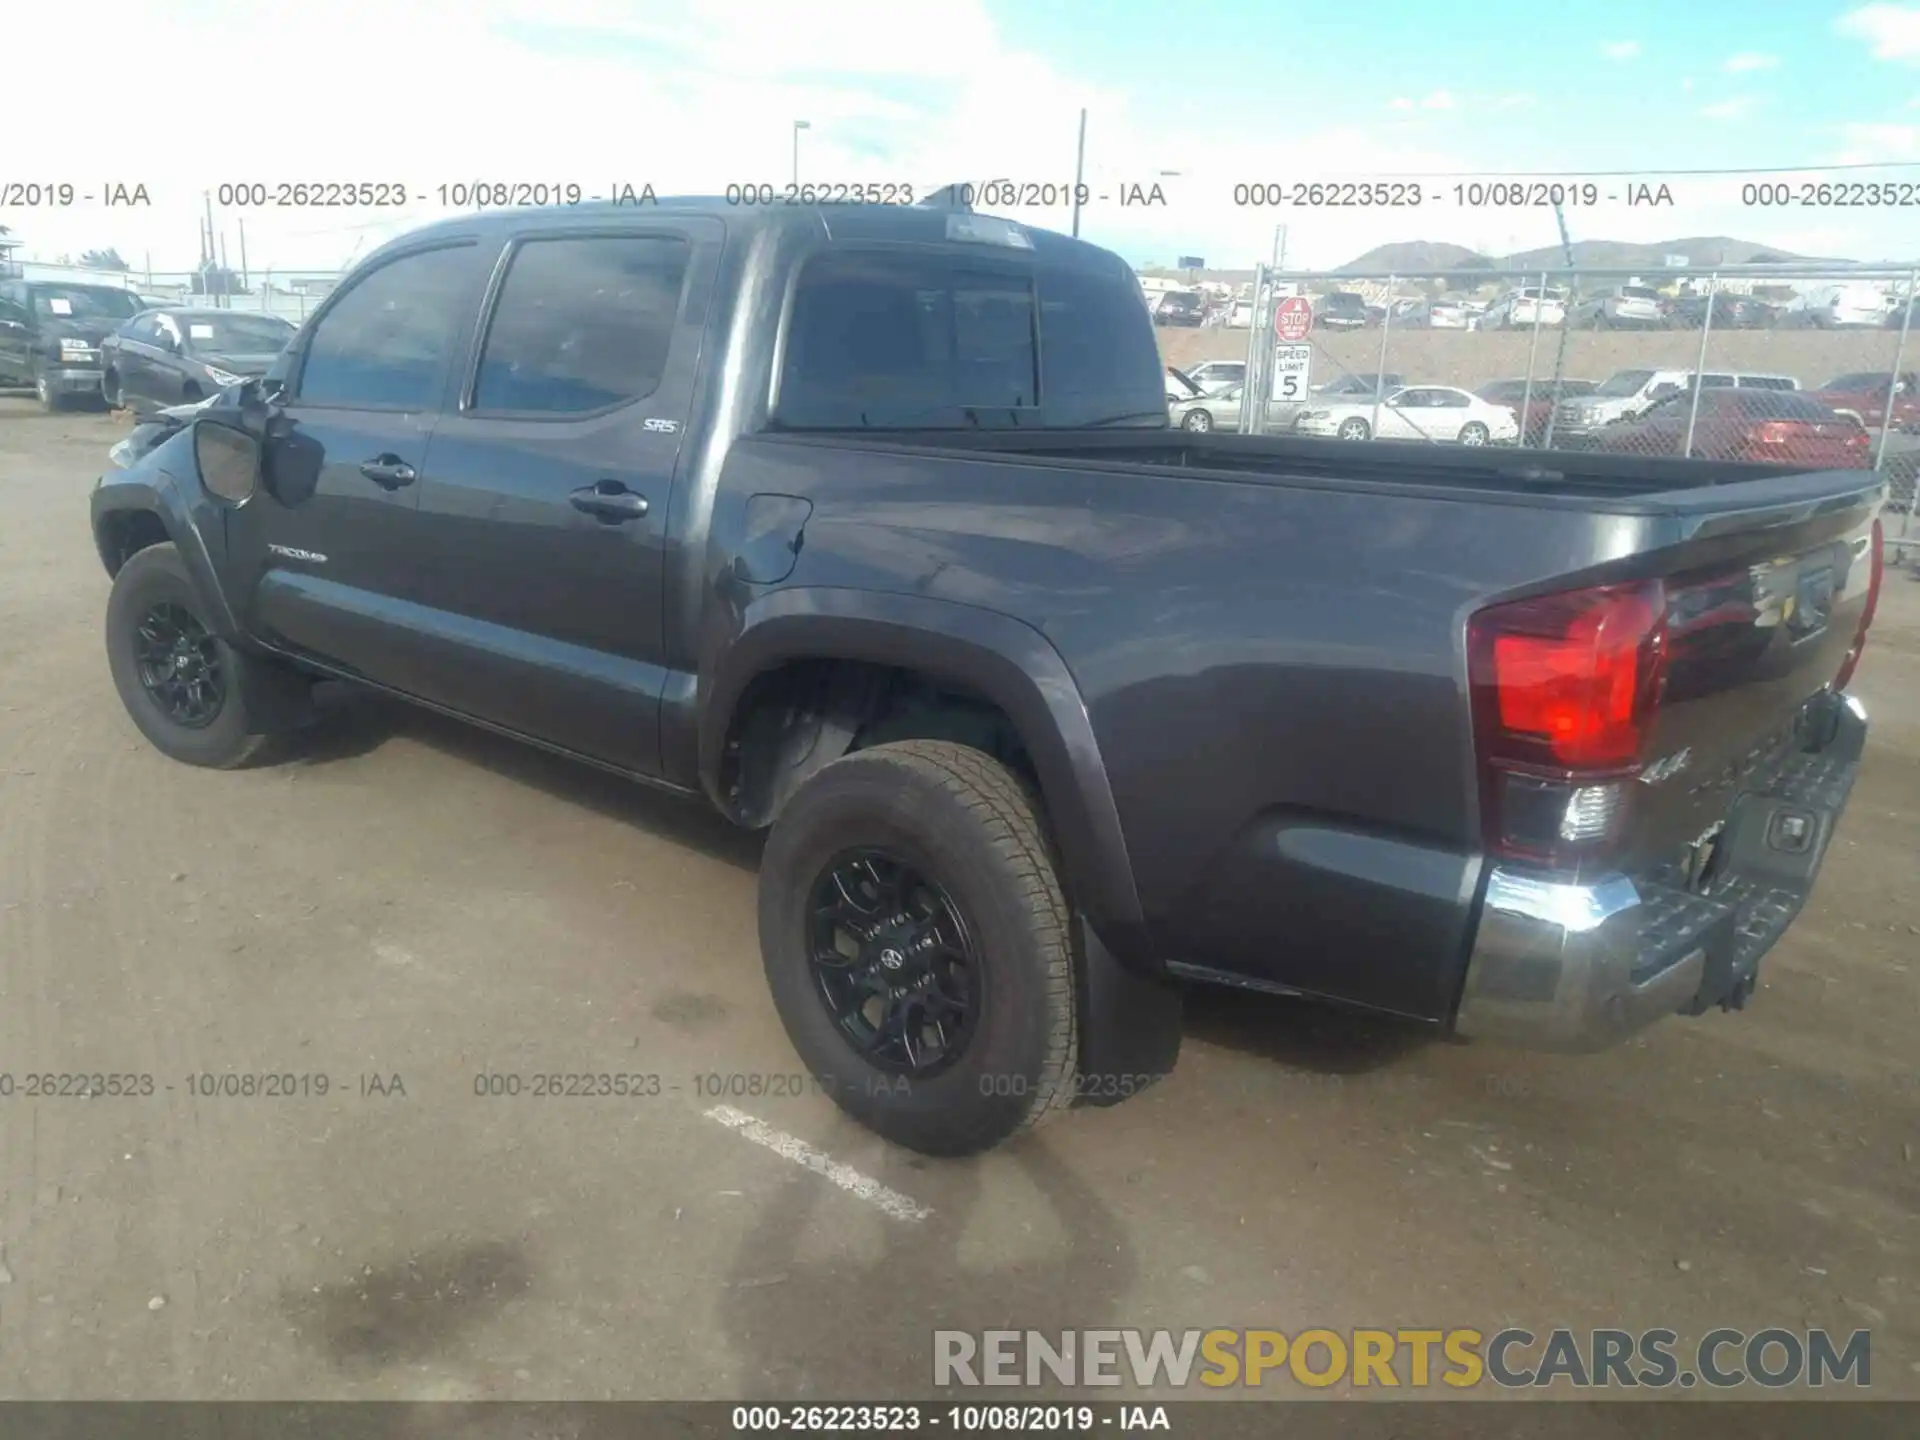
{"type": "Point", "coordinates": [1699, 250]}
{"type": "Point", "coordinates": [1416, 256]}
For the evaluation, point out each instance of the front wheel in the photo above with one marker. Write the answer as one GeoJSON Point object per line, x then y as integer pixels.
{"type": "Point", "coordinates": [1474, 433]}
{"type": "Point", "coordinates": [110, 389]}
{"type": "Point", "coordinates": [1354, 429]}
{"type": "Point", "coordinates": [52, 401]}
{"type": "Point", "coordinates": [1198, 421]}
{"type": "Point", "coordinates": [185, 687]}
{"type": "Point", "coordinates": [919, 946]}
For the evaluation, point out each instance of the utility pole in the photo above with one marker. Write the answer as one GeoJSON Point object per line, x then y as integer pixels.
{"type": "Point", "coordinates": [1566, 324]}
{"type": "Point", "coordinates": [798, 126]}
{"type": "Point", "coordinates": [1079, 170]}
{"type": "Point", "coordinates": [244, 284]}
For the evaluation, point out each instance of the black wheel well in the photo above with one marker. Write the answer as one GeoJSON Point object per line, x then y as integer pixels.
{"type": "Point", "coordinates": [121, 537]}
{"type": "Point", "coordinates": [800, 715]}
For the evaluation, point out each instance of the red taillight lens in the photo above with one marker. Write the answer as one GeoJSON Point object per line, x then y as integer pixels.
{"type": "Point", "coordinates": [1569, 681]}
{"type": "Point", "coordinates": [1876, 564]}
{"type": "Point", "coordinates": [1777, 432]}
{"type": "Point", "coordinates": [1564, 691]}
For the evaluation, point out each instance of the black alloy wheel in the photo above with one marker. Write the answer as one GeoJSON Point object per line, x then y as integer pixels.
{"type": "Point", "coordinates": [894, 963]}
{"type": "Point", "coordinates": [179, 666]}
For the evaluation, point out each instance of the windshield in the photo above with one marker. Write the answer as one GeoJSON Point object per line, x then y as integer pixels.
{"type": "Point", "coordinates": [1639, 292]}
{"type": "Point", "coordinates": [1624, 382]}
{"type": "Point", "coordinates": [227, 333]}
{"type": "Point", "coordinates": [1344, 301]}
{"type": "Point", "coordinates": [1179, 300]}
{"type": "Point", "coordinates": [83, 302]}
{"type": "Point", "coordinates": [1859, 380]}
{"type": "Point", "coordinates": [1362, 384]}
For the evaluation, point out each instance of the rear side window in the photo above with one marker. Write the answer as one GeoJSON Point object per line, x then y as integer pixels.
{"type": "Point", "coordinates": [898, 340]}
{"type": "Point", "coordinates": [582, 324]}
{"type": "Point", "coordinates": [384, 343]}
{"type": "Point", "coordinates": [1767, 382]}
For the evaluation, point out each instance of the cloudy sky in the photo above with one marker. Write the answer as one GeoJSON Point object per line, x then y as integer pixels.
{"type": "Point", "coordinates": [696, 94]}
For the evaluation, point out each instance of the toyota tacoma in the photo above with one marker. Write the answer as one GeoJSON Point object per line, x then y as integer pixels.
{"type": "Point", "coordinates": [865, 525]}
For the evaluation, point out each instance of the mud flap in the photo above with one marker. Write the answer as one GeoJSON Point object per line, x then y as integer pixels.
{"type": "Point", "coordinates": [1129, 1026]}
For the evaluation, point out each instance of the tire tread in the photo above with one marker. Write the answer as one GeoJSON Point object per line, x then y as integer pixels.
{"type": "Point", "coordinates": [1010, 814]}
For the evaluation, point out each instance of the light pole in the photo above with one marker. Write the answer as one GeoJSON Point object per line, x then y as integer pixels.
{"type": "Point", "coordinates": [1079, 171]}
{"type": "Point", "coordinates": [798, 126]}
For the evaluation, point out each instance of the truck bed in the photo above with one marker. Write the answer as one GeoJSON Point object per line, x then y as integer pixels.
{"type": "Point", "coordinates": [1391, 465]}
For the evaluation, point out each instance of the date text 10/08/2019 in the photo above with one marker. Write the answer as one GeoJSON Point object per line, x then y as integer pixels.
{"type": "Point", "coordinates": [1466, 195]}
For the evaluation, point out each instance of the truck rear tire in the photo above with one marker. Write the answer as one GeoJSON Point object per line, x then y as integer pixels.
{"type": "Point", "coordinates": [182, 685]}
{"type": "Point", "coordinates": [919, 947]}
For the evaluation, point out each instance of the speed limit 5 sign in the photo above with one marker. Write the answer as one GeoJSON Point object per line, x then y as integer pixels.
{"type": "Point", "coordinates": [1292, 367]}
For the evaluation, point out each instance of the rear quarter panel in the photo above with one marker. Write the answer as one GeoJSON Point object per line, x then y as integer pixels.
{"type": "Point", "coordinates": [1274, 674]}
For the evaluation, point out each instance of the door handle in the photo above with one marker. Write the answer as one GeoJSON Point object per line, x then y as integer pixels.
{"type": "Point", "coordinates": [388, 471]}
{"type": "Point", "coordinates": [610, 501]}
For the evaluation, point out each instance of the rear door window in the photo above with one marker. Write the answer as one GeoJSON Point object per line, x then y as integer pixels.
{"type": "Point", "coordinates": [582, 324]}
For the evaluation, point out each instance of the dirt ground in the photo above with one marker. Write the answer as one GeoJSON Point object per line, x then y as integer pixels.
{"type": "Point", "coordinates": [421, 903]}
{"type": "Point", "coordinates": [1471, 358]}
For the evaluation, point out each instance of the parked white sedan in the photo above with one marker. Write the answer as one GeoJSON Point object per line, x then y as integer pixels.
{"type": "Point", "coordinates": [1437, 413]}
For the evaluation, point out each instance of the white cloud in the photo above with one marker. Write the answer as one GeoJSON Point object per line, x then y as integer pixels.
{"type": "Point", "coordinates": [1737, 108]}
{"type": "Point", "coordinates": [1868, 144]}
{"type": "Point", "coordinates": [1620, 49]}
{"type": "Point", "coordinates": [690, 95]}
{"type": "Point", "coordinates": [1748, 60]}
{"type": "Point", "coordinates": [1892, 30]}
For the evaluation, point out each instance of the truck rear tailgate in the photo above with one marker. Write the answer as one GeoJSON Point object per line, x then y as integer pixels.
{"type": "Point", "coordinates": [1762, 612]}
{"type": "Point", "coordinates": [1657, 865]}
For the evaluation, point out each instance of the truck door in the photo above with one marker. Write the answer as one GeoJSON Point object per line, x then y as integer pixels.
{"type": "Point", "coordinates": [319, 561]}
{"type": "Point", "coordinates": [542, 545]}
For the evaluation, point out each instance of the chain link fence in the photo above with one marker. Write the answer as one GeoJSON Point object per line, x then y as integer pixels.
{"type": "Point", "coordinates": [1754, 363]}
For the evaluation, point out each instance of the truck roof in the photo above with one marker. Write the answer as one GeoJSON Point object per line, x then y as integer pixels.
{"type": "Point", "coordinates": [926, 222]}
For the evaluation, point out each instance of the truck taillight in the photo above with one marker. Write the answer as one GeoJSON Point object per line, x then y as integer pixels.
{"type": "Point", "coordinates": [1777, 432]}
{"type": "Point", "coordinates": [1564, 691]}
{"type": "Point", "coordinates": [1876, 563]}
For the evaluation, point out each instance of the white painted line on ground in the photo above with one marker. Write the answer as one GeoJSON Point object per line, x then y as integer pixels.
{"type": "Point", "coordinates": [792, 1147]}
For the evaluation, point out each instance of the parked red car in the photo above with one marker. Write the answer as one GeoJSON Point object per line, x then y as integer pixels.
{"type": "Point", "coordinates": [1539, 400]}
{"type": "Point", "coordinates": [1863, 394]}
{"type": "Point", "coordinates": [1776, 427]}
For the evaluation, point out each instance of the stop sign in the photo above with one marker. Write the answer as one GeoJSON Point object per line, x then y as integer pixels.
{"type": "Point", "coordinates": [1293, 318]}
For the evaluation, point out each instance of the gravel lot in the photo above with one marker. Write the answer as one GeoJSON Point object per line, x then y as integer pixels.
{"type": "Point", "coordinates": [415, 900]}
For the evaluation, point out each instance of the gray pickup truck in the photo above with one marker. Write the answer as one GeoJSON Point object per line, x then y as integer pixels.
{"type": "Point", "coordinates": [865, 525]}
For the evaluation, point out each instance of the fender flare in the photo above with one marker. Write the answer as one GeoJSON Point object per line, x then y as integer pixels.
{"type": "Point", "coordinates": [161, 497]}
{"type": "Point", "coordinates": [1002, 659]}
